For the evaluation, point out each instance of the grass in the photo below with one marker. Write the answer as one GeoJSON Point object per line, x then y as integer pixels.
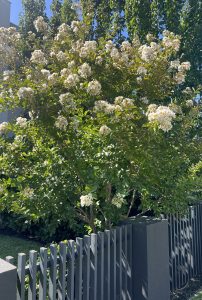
{"type": "Point", "coordinates": [197, 296]}
{"type": "Point", "coordinates": [11, 245]}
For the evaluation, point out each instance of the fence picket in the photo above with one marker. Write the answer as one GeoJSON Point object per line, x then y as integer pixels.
{"type": "Point", "coordinates": [129, 263]}
{"type": "Point", "coordinates": [21, 276]}
{"type": "Point", "coordinates": [43, 273]}
{"type": "Point", "coordinates": [86, 267]}
{"type": "Point", "coordinates": [119, 264]}
{"type": "Point", "coordinates": [93, 267]}
{"type": "Point", "coordinates": [32, 275]}
{"type": "Point", "coordinates": [78, 269]}
{"type": "Point", "coordinates": [100, 259]}
{"type": "Point", "coordinates": [70, 269]}
{"type": "Point", "coordinates": [113, 264]}
{"type": "Point", "coordinates": [53, 272]}
{"type": "Point", "coordinates": [10, 259]}
{"type": "Point", "coordinates": [62, 271]}
{"type": "Point", "coordinates": [107, 281]}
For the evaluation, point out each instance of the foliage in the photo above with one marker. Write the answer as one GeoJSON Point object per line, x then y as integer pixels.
{"type": "Point", "coordinates": [102, 124]}
{"type": "Point", "coordinates": [119, 19]}
{"type": "Point", "coordinates": [31, 10]}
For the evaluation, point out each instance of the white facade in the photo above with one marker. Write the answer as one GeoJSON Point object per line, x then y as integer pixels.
{"type": "Point", "coordinates": [5, 13]}
{"type": "Point", "coordinates": [5, 22]}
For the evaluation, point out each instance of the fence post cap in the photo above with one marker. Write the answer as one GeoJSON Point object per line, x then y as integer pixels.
{"type": "Point", "coordinates": [5, 266]}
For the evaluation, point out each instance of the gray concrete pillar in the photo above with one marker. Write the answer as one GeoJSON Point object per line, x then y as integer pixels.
{"type": "Point", "coordinates": [8, 281]}
{"type": "Point", "coordinates": [151, 259]}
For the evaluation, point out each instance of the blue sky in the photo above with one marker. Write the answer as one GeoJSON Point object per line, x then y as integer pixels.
{"type": "Point", "coordinates": [16, 8]}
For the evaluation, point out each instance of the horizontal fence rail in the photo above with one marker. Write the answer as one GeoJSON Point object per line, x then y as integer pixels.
{"type": "Point", "coordinates": [97, 266]}
{"type": "Point", "coordinates": [185, 247]}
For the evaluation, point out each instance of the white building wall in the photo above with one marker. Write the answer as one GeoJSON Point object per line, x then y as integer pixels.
{"type": "Point", "coordinates": [5, 22]}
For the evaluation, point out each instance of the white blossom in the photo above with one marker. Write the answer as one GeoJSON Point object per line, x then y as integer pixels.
{"type": "Point", "coordinates": [75, 26]}
{"type": "Point", "coordinates": [22, 122]}
{"type": "Point", "coordinates": [109, 46]}
{"type": "Point", "coordinates": [28, 192]}
{"type": "Point", "coordinates": [64, 72]}
{"type": "Point", "coordinates": [85, 70]}
{"type": "Point", "coordinates": [61, 123]}
{"type": "Point", "coordinates": [144, 100]}
{"type": "Point", "coordinates": [61, 56]}
{"type": "Point", "coordinates": [86, 200]}
{"type": "Point", "coordinates": [94, 88]}
{"type": "Point", "coordinates": [185, 66]}
{"type": "Point", "coordinates": [7, 74]}
{"type": "Point", "coordinates": [40, 24]}
{"type": "Point", "coordinates": [180, 77]}
{"type": "Point", "coordinates": [189, 103]}
{"type": "Point", "coordinates": [118, 200]}
{"type": "Point", "coordinates": [88, 48]}
{"type": "Point", "coordinates": [126, 46]}
{"type": "Point", "coordinates": [45, 73]}
{"type": "Point", "coordinates": [25, 93]}
{"type": "Point", "coordinates": [104, 106]}
{"type": "Point", "coordinates": [3, 127]}
{"type": "Point", "coordinates": [163, 115]}
{"type": "Point", "coordinates": [52, 78]}
{"type": "Point", "coordinates": [104, 130]}
{"type": "Point", "coordinates": [174, 64]}
{"type": "Point", "coordinates": [141, 70]}
{"type": "Point", "coordinates": [66, 100]}
{"type": "Point", "coordinates": [63, 31]}
{"type": "Point", "coordinates": [147, 53]}
{"type": "Point", "coordinates": [38, 57]}
{"type": "Point", "coordinates": [71, 80]}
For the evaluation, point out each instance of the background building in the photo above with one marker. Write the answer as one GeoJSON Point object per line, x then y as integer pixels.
{"type": "Point", "coordinates": [5, 13]}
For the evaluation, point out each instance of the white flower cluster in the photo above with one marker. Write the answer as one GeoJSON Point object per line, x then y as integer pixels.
{"type": "Point", "coordinates": [189, 103]}
{"type": "Point", "coordinates": [40, 25]}
{"type": "Point", "coordinates": [181, 70]}
{"type": "Point", "coordinates": [7, 74]}
{"type": "Point", "coordinates": [3, 127]}
{"type": "Point", "coordinates": [45, 73]}
{"type": "Point", "coordinates": [104, 106]}
{"type": "Point", "coordinates": [38, 57]}
{"type": "Point", "coordinates": [75, 25]}
{"type": "Point", "coordinates": [52, 78]}
{"type": "Point", "coordinates": [141, 71]}
{"type": "Point", "coordinates": [118, 200]}
{"type": "Point", "coordinates": [28, 192]}
{"type": "Point", "coordinates": [71, 81]}
{"type": "Point", "coordinates": [10, 41]}
{"type": "Point", "coordinates": [88, 48]}
{"type": "Point", "coordinates": [66, 100]}
{"type": "Point", "coordinates": [104, 130]}
{"type": "Point", "coordinates": [63, 31]}
{"type": "Point", "coordinates": [94, 88]}
{"type": "Point", "coordinates": [22, 122]}
{"type": "Point", "coordinates": [163, 115]}
{"type": "Point", "coordinates": [147, 53]}
{"type": "Point", "coordinates": [25, 93]}
{"type": "Point", "coordinates": [85, 70]}
{"type": "Point", "coordinates": [61, 56]}
{"type": "Point", "coordinates": [170, 40]}
{"type": "Point", "coordinates": [86, 200]}
{"type": "Point", "coordinates": [61, 123]}
{"type": "Point", "coordinates": [123, 102]}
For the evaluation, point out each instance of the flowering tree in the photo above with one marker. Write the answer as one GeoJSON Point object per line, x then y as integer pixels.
{"type": "Point", "coordinates": [101, 126]}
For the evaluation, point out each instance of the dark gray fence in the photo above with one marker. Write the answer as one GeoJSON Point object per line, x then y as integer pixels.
{"type": "Point", "coordinates": [128, 262]}
{"type": "Point", "coordinates": [185, 246]}
{"type": "Point", "coordinates": [97, 266]}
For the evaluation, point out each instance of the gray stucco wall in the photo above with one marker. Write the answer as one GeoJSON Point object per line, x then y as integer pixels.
{"type": "Point", "coordinates": [4, 13]}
